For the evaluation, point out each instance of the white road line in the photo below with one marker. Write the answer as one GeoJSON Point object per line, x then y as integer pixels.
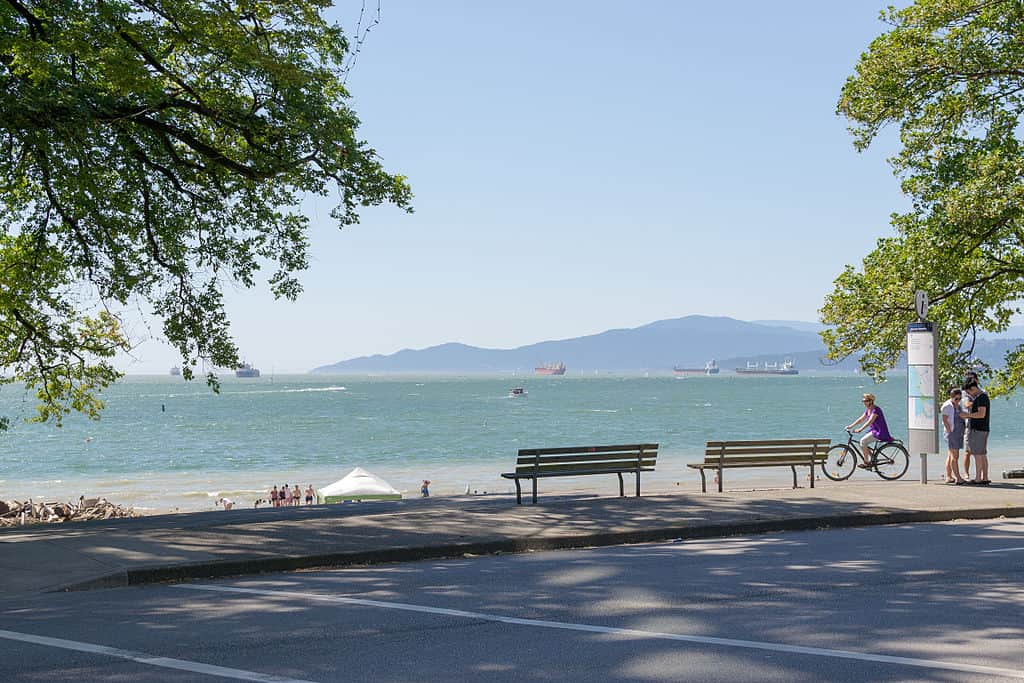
{"type": "Point", "coordinates": [634, 633]}
{"type": "Point", "coordinates": [1001, 550]}
{"type": "Point", "coordinates": [151, 660]}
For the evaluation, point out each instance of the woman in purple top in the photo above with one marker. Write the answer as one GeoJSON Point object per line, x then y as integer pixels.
{"type": "Point", "coordinates": [874, 419]}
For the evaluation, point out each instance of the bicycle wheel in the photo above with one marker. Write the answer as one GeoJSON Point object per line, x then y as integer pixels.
{"type": "Point", "coordinates": [839, 463]}
{"type": "Point", "coordinates": [891, 461]}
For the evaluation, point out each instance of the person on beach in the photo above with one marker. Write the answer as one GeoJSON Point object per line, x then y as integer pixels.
{"type": "Point", "coordinates": [287, 495]}
{"type": "Point", "coordinates": [953, 431]}
{"type": "Point", "coordinates": [226, 502]}
{"type": "Point", "coordinates": [274, 496]}
{"type": "Point", "coordinates": [977, 416]}
{"type": "Point", "coordinates": [965, 404]}
{"type": "Point", "coordinates": [309, 495]}
{"type": "Point", "coordinates": [425, 489]}
{"type": "Point", "coordinates": [874, 420]}
{"type": "Point", "coordinates": [296, 496]}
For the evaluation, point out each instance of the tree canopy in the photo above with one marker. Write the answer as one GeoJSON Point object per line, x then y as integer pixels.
{"type": "Point", "coordinates": [950, 75]}
{"type": "Point", "coordinates": [152, 151]}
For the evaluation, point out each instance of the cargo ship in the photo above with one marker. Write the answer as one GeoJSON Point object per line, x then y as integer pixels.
{"type": "Point", "coordinates": [246, 370]}
{"type": "Point", "coordinates": [769, 369]}
{"type": "Point", "coordinates": [710, 368]}
{"type": "Point", "coordinates": [550, 369]}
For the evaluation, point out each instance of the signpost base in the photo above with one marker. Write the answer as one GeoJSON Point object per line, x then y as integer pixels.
{"type": "Point", "coordinates": [924, 468]}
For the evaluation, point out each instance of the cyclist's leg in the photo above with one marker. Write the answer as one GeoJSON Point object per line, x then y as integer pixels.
{"type": "Point", "coordinates": [865, 447]}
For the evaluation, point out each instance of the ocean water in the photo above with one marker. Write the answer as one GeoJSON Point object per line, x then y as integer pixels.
{"type": "Point", "coordinates": [164, 443]}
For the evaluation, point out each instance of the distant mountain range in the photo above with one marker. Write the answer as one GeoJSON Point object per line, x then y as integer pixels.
{"type": "Point", "coordinates": [655, 347]}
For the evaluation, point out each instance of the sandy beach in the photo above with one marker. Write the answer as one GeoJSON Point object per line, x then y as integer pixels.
{"type": "Point", "coordinates": [156, 496]}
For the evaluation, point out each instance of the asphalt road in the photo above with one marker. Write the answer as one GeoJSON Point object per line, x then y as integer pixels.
{"type": "Point", "coordinates": [936, 602]}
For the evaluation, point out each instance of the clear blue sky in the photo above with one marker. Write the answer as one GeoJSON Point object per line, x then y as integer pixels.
{"type": "Point", "coordinates": [585, 165]}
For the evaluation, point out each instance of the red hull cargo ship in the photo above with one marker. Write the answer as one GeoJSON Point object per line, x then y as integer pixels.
{"type": "Point", "coordinates": [550, 369]}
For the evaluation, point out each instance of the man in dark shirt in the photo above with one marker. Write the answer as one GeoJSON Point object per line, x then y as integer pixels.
{"type": "Point", "coordinates": [978, 425]}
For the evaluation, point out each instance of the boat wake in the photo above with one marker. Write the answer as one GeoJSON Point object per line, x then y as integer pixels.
{"type": "Point", "coordinates": [304, 390]}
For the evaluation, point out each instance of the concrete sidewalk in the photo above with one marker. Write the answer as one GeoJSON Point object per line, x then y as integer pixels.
{"type": "Point", "coordinates": [209, 544]}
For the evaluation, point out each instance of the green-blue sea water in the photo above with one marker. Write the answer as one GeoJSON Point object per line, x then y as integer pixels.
{"type": "Point", "coordinates": [164, 443]}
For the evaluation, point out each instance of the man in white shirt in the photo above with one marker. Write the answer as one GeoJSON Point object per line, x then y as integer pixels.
{"type": "Point", "coordinates": [953, 432]}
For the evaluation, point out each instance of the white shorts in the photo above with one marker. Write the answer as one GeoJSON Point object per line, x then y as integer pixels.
{"type": "Point", "coordinates": [868, 439]}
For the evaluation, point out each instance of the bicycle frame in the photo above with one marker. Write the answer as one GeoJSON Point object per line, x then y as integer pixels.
{"type": "Point", "coordinates": [855, 445]}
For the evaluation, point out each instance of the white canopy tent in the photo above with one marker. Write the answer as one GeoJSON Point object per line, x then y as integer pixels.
{"type": "Point", "coordinates": [358, 485]}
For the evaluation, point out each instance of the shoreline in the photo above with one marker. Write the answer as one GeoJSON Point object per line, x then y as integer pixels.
{"type": "Point", "coordinates": [653, 484]}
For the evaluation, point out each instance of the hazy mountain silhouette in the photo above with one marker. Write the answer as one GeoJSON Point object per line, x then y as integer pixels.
{"type": "Point", "coordinates": [657, 346]}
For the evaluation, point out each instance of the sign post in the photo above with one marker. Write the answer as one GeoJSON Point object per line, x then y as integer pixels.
{"type": "Point", "coordinates": [922, 385]}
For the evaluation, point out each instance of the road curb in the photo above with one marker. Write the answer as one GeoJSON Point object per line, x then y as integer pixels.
{"type": "Point", "coordinates": [225, 568]}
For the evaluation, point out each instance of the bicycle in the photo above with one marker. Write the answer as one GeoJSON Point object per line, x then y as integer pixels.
{"type": "Point", "coordinates": [889, 460]}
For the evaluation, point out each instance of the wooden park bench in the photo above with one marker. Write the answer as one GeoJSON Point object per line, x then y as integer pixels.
{"type": "Point", "coordinates": [535, 463]}
{"type": "Point", "coordinates": [792, 453]}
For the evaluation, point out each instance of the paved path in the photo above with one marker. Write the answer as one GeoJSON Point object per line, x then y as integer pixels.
{"type": "Point", "coordinates": [209, 544]}
{"type": "Point", "coordinates": [916, 602]}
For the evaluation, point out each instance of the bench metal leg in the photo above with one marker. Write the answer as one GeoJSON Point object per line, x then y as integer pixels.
{"type": "Point", "coordinates": [793, 467]}
{"type": "Point", "coordinates": [703, 481]}
{"type": "Point", "coordinates": [535, 490]}
{"type": "Point", "coordinates": [519, 492]}
{"type": "Point", "coordinates": [812, 474]}
{"type": "Point", "coordinates": [622, 488]}
{"type": "Point", "coordinates": [638, 483]}
{"type": "Point", "coordinates": [720, 478]}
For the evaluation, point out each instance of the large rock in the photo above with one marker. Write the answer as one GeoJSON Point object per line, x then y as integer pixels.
{"type": "Point", "coordinates": [4, 507]}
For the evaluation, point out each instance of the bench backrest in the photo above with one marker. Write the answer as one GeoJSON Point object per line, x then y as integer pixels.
{"type": "Point", "coordinates": [594, 459]}
{"type": "Point", "coordinates": [770, 452]}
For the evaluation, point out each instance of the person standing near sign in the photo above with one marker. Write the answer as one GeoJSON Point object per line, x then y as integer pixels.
{"type": "Point", "coordinates": [953, 429]}
{"type": "Point", "coordinates": [977, 416]}
{"type": "Point", "coordinates": [965, 406]}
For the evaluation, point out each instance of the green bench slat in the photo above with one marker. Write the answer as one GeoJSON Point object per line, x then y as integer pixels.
{"type": "Point", "coordinates": [624, 466]}
{"type": "Point", "coordinates": [629, 448]}
{"type": "Point", "coordinates": [585, 457]}
{"type": "Point", "coordinates": [767, 460]}
{"type": "Point", "coordinates": [774, 450]}
{"type": "Point", "coordinates": [770, 442]}
{"type": "Point", "coordinates": [580, 472]}
{"type": "Point", "coordinates": [714, 466]}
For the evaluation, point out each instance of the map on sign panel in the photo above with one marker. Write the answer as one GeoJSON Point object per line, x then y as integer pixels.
{"type": "Point", "coordinates": [922, 413]}
{"type": "Point", "coordinates": [921, 380]}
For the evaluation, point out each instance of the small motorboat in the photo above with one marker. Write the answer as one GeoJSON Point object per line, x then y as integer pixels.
{"type": "Point", "coordinates": [516, 392]}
